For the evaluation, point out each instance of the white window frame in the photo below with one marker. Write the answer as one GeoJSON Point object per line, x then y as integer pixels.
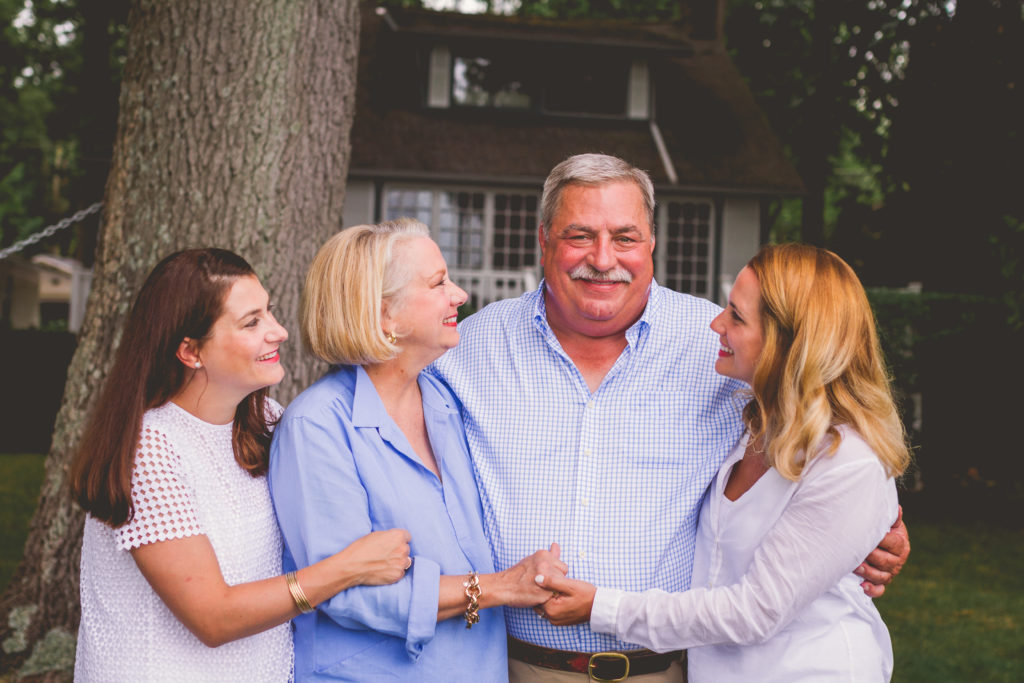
{"type": "Point", "coordinates": [439, 80]}
{"type": "Point", "coordinates": [487, 283]}
{"type": "Point", "coordinates": [662, 254]}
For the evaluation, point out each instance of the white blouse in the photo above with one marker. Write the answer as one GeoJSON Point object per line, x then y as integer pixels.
{"type": "Point", "coordinates": [773, 596]}
{"type": "Point", "coordinates": [185, 482]}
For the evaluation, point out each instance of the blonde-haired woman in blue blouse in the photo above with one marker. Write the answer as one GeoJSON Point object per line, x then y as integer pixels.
{"type": "Point", "coordinates": [806, 494]}
{"type": "Point", "coordinates": [378, 443]}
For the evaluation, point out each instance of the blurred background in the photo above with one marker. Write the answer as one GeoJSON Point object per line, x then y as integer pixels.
{"type": "Point", "coordinates": [889, 131]}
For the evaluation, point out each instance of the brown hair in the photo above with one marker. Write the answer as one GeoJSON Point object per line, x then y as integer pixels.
{"type": "Point", "coordinates": [182, 297]}
{"type": "Point", "coordinates": [821, 364]}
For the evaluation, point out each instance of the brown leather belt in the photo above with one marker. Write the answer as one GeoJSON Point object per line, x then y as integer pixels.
{"type": "Point", "coordinates": [602, 666]}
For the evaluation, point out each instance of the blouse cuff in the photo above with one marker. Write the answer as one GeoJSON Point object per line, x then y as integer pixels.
{"type": "Point", "coordinates": [604, 613]}
{"type": "Point", "coordinates": [426, 586]}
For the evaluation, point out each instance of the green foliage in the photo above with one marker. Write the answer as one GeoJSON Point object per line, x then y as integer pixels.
{"type": "Point", "coordinates": [644, 10]}
{"type": "Point", "coordinates": [907, 321]}
{"type": "Point", "coordinates": [1008, 245]}
{"type": "Point", "coordinates": [21, 477]}
{"type": "Point", "coordinates": [933, 343]}
{"type": "Point", "coordinates": [57, 108]}
{"type": "Point", "coordinates": [904, 119]}
{"type": "Point", "coordinates": [955, 612]}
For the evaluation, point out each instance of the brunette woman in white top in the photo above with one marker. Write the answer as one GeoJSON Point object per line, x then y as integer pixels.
{"type": "Point", "coordinates": [805, 496]}
{"type": "Point", "coordinates": [181, 557]}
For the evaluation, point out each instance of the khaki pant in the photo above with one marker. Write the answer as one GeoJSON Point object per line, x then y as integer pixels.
{"type": "Point", "coordinates": [521, 672]}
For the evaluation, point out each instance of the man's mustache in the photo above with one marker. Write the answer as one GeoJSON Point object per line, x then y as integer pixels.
{"type": "Point", "coordinates": [585, 271]}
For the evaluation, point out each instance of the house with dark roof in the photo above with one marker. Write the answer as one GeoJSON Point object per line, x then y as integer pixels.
{"type": "Point", "coordinates": [459, 118]}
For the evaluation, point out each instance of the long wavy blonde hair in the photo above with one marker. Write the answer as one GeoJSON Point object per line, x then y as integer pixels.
{"type": "Point", "coordinates": [821, 365]}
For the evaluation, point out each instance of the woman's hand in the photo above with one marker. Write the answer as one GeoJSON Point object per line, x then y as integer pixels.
{"type": "Point", "coordinates": [572, 600]}
{"type": "Point", "coordinates": [517, 585]}
{"type": "Point", "coordinates": [380, 557]}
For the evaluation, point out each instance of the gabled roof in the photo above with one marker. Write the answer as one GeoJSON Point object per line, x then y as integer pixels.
{"type": "Point", "coordinates": [447, 26]}
{"type": "Point", "coordinates": [716, 136]}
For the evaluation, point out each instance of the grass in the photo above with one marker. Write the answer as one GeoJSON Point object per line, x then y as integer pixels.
{"type": "Point", "coordinates": [955, 613]}
{"type": "Point", "coordinates": [21, 477]}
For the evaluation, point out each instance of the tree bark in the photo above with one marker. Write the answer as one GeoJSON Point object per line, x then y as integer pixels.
{"type": "Point", "coordinates": [233, 131]}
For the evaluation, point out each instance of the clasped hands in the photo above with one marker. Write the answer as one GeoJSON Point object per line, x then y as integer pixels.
{"type": "Point", "coordinates": [572, 600]}
{"type": "Point", "coordinates": [563, 600]}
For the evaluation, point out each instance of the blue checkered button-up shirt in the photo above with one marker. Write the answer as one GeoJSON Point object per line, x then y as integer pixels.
{"type": "Point", "coordinates": [615, 476]}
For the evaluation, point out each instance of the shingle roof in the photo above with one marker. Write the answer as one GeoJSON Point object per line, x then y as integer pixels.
{"type": "Point", "coordinates": [716, 136]}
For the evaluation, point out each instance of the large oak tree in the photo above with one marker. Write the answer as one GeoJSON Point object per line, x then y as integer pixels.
{"type": "Point", "coordinates": [233, 131]}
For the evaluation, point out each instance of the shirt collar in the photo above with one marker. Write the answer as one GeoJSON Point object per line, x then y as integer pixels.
{"type": "Point", "coordinates": [654, 298]}
{"type": "Point", "coordinates": [368, 410]}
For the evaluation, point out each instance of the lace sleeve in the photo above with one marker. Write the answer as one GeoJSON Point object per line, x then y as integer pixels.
{"type": "Point", "coordinates": [164, 508]}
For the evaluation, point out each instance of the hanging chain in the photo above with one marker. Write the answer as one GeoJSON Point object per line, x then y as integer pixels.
{"type": "Point", "coordinates": [46, 232]}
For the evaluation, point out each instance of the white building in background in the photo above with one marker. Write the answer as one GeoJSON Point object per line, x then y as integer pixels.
{"type": "Point", "coordinates": [459, 118]}
{"type": "Point", "coordinates": [43, 291]}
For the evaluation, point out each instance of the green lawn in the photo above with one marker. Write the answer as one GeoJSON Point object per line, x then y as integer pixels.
{"type": "Point", "coordinates": [21, 477]}
{"type": "Point", "coordinates": [956, 613]}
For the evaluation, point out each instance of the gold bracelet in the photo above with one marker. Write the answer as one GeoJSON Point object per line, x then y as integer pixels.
{"type": "Point", "coordinates": [301, 601]}
{"type": "Point", "coordinates": [473, 592]}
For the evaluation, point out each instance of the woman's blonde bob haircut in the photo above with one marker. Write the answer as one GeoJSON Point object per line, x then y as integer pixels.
{"type": "Point", "coordinates": [349, 281]}
{"type": "Point", "coordinates": [821, 365]}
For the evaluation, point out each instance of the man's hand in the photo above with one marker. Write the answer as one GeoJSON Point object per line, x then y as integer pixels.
{"type": "Point", "coordinates": [517, 585]}
{"type": "Point", "coordinates": [571, 603]}
{"type": "Point", "coordinates": [886, 560]}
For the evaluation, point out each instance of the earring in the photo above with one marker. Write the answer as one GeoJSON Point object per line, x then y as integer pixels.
{"type": "Point", "coordinates": [392, 339]}
{"type": "Point", "coordinates": [198, 365]}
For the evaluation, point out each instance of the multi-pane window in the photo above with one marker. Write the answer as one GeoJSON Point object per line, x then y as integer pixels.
{"type": "Point", "coordinates": [456, 220]}
{"type": "Point", "coordinates": [488, 238]}
{"type": "Point", "coordinates": [685, 247]}
{"type": "Point", "coordinates": [460, 228]}
{"type": "Point", "coordinates": [515, 231]}
{"type": "Point", "coordinates": [418, 204]}
{"type": "Point", "coordinates": [587, 83]}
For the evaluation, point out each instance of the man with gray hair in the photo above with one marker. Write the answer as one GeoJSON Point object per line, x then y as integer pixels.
{"type": "Point", "coordinates": [594, 416]}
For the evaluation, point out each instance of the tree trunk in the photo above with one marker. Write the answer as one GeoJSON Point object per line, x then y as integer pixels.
{"type": "Point", "coordinates": [821, 136]}
{"type": "Point", "coordinates": [233, 131]}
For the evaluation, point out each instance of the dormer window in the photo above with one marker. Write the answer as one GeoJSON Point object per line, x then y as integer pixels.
{"type": "Point", "coordinates": [588, 84]}
{"type": "Point", "coordinates": [569, 83]}
{"type": "Point", "coordinates": [488, 82]}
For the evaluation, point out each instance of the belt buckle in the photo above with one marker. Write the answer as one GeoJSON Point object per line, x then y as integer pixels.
{"type": "Point", "coordinates": [607, 655]}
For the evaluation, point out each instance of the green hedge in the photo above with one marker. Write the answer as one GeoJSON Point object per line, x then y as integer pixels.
{"type": "Point", "coordinates": [963, 357]}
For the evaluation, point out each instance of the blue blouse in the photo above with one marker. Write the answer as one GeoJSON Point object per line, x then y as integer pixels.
{"type": "Point", "coordinates": [340, 468]}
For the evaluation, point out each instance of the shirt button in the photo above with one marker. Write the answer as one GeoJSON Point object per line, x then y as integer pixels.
{"type": "Point", "coordinates": [584, 502]}
{"type": "Point", "coordinates": [586, 452]}
{"type": "Point", "coordinates": [582, 555]}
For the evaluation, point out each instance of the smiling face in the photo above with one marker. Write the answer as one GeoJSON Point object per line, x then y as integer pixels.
{"type": "Point", "coordinates": [598, 263]}
{"type": "Point", "coordinates": [739, 327]}
{"type": "Point", "coordinates": [424, 312]}
{"type": "Point", "coordinates": [240, 353]}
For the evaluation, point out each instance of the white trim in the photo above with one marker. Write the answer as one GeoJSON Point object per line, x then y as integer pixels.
{"type": "Point", "coordinates": [486, 283]}
{"type": "Point", "coordinates": [638, 103]}
{"type": "Point", "coordinates": [692, 283]}
{"type": "Point", "coordinates": [439, 82]}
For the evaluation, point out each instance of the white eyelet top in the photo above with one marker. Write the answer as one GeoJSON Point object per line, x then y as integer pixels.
{"type": "Point", "coordinates": [185, 482]}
